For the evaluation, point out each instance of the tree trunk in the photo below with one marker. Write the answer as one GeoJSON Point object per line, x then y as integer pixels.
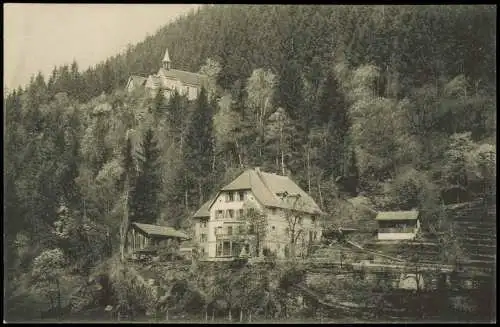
{"type": "Point", "coordinates": [124, 227]}
{"type": "Point", "coordinates": [206, 314]}
{"type": "Point", "coordinates": [213, 314]}
{"type": "Point", "coordinates": [166, 315]}
{"type": "Point", "coordinates": [58, 298]}
{"type": "Point", "coordinates": [240, 159]}
{"type": "Point", "coordinates": [320, 195]}
{"type": "Point", "coordinates": [213, 162]}
{"type": "Point", "coordinates": [241, 315]}
{"type": "Point", "coordinates": [250, 316]}
{"type": "Point", "coordinates": [201, 193]}
{"type": "Point", "coordinates": [229, 316]}
{"type": "Point", "coordinates": [308, 171]}
{"type": "Point", "coordinates": [282, 163]}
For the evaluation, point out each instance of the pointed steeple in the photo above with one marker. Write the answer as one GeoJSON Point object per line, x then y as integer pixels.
{"type": "Point", "coordinates": [166, 60]}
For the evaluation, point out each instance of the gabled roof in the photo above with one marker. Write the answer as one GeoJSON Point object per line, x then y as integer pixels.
{"type": "Point", "coordinates": [162, 231]}
{"type": "Point", "coordinates": [137, 80]}
{"type": "Point", "coordinates": [204, 210]}
{"type": "Point", "coordinates": [166, 58]}
{"type": "Point", "coordinates": [398, 215]}
{"type": "Point", "coordinates": [266, 187]}
{"type": "Point", "coordinates": [183, 76]}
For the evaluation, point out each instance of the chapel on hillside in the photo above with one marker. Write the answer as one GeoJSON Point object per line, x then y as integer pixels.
{"type": "Point", "coordinates": [167, 80]}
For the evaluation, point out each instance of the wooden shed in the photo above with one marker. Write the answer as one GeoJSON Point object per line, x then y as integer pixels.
{"type": "Point", "coordinates": [142, 237]}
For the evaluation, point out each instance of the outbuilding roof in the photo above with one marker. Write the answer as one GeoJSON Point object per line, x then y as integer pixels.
{"type": "Point", "coordinates": [161, 231]}
{"type": "Point", "coordinates": [137, 80]}
{"type": "Point", "coordinates": [397, 215]}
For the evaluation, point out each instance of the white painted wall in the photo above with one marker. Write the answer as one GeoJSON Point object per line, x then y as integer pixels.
{"type": "Point", "coordinates": [409, 281]}
{"type": "Point", "coordinates": [396, 236]}
{"type": "Point", "coordinates": [221, 204]}
{"type": "Point", "coordinates": [192, 92]}
{"type": "Point", "coordinates": [277, 235]}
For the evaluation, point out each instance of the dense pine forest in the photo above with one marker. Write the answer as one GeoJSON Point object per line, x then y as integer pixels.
{"type": "Point", "coordinates": [396, 103]}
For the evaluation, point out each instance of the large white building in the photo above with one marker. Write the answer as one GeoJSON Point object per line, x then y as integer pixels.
{"type": "Point", "coordinates": [222, 227]}
{"type": "Point", "coordinates": [167, 79]}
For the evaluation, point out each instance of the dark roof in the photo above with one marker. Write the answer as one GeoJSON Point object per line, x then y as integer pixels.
{"type": "Point", "coordinates": [183, 76]}
{"type": "Point", "coordinates": [164, 231]}
{"type": "Point", "coordinates": [266, 187]}
{"type": "Point", "coordinates": [397, 215]}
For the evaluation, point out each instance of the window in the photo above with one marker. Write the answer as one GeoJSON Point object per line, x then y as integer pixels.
{"type": "Point", "coordinates": [241, 212]}
{"type": "Point", "coordinates": [273, 228]}
{"type": "Point", "coordinates": [230, 197]}
{"type": "Point", "coordinates": [229, 230]}
{"type": "Point", "coordinates": [226, 248]}
{"type": "Point", "coordinates": [219, 214]}
{"type": "Point", "coordinates": [241, 195]}
{"type": "Point", "coordinates": [300, 221]}
{"type": "Point", "coordinates": [313, 219]}
{"type": "Point", "coordinates": [203, 224]}
{"type": "Point", "coordinates": [315, 235]}
{"type": "Point", "coordinates": [203, 238]}
{"type": "Point", "coordinates": [230, 213]}
{"type": "Point", "coordinates": [218, 249]}
{"type": "Point", "coordinates": [273, 211]}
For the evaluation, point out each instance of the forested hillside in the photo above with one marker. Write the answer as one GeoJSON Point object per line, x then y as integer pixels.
{"type": "Point", "coordinates": [394, 102]}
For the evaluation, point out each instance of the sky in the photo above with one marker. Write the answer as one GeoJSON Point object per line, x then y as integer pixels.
{"type": "Point", "coordinates": [38, 37]}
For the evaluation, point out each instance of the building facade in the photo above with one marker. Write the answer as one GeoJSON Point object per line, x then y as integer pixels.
{"type": "Point", "coordinates": [169, 79]}
{"type": "Point", "coordinates": [397, 225]}
{"type": "Point", "coordinates": [257, 214]}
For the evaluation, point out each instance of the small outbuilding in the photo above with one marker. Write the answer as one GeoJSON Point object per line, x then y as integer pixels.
{"type": "Point", "coordinates": [398, 225]}
{"type": "Point", "coordinates": [143, 238]}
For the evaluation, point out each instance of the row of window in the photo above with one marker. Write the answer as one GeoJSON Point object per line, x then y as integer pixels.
{"type": "Point", "coordinates": [229, 230]}
{"type": "Point", "coordinates": [229, 214]}
{"type": "Point", "coordinates": [235, 196]}
{"type": "Point", "coordinates": [313, 235]}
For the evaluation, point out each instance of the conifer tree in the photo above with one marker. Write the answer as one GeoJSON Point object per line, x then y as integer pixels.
{"type": "Point", "coordinates": [145, 204]}
{"type": "Point", "coordinates": [199, 145]}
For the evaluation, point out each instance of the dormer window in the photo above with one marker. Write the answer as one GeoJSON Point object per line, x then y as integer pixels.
{"type": "Point", "coordinates": [241, 195]}
{"type": "Point", "coordinates": [230, 197]}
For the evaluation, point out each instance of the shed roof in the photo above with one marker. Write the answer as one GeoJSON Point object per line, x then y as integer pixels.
{"type": "Point", "coordinates": [267, 188]}
{"type": "Point", "coordinates": [162, 231]}
{"type": "Point", "coordinates": [397, 215]}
